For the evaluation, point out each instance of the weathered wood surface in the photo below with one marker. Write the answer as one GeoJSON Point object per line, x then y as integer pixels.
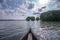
{"type": "Point", "coordinates": [29, 36]}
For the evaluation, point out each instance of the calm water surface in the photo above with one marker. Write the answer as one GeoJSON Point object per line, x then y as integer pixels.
{"type": "Point", "coordinates": [14, 30]}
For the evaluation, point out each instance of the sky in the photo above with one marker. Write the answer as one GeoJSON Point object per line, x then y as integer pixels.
{"type": "Point", "coordinates": [20, 9]}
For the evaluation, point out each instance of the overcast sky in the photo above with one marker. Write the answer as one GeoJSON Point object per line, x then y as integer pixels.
{"type": "Point", "coordinates": [19, 9]}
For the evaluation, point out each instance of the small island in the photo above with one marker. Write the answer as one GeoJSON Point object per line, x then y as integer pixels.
{"type": "Point", "coordinates": [32, 18]}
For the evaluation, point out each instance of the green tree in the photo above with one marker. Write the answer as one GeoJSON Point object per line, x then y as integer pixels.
{"type": "Point", "coordinates": [28, 18]}
{"type": "Point", "coordinates": [53, 15]}
{"type": "Point", "coordinates": [32, 18]}
{"type": "Point", "coordinates": [37, 18]}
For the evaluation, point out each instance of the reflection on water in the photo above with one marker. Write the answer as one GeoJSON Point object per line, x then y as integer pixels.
{"type": "Point", "coordinates": [51, 30]}
{"type": "Point", "coordinates": [50, 25]}
{"type": "Point", "coordinates": [46, 30]}
{"type": "Point", "coordinates": [13, 30]}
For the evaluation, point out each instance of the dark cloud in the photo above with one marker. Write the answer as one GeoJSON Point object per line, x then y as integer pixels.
{"type": "Point", "coordinates": [41, 9]}
{"type": "Point", "coordinates": [1, 1]}
{"type": "Point", "coordinates": [58, 0]}
{"type": "Point", "coordinates": [30, 6]}
{"type": "Point", "coordinates": [4, 6]}
{"type": "Point", "coordinates": [12, 9]}
{"type": "Point", "coordinates": [36, 13]}
{"type": "Point", "coordinates": [12, 4]}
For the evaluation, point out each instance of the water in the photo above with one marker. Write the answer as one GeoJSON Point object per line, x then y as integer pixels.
{"type": "Point", "coordinates": [14, 30]}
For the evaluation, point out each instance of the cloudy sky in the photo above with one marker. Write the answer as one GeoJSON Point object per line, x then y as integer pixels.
{"type": "Point", "coordinates": [20, 9]}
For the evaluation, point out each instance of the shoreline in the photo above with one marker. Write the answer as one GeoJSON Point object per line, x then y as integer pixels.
{"type": "Point", "coordinates": [12, 20]}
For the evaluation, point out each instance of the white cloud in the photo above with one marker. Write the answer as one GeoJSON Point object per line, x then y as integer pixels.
{"type": "Point", "coordinates": [22, 11]}
{"type": "Point", "coordinates": [13, 13]}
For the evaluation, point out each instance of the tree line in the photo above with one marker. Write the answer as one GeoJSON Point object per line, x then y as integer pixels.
{"type": "Point", "coordinates": [53, 15]}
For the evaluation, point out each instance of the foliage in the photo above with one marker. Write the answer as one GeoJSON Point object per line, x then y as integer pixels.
{"type": "Point", "coordinates": [32, 18]}
{"type": "Point", "coordinates": [28, 18]}
{"type": "Point", "coordinates": [53, 15]}
{"type": "Point", "coordinates": [37, 18]}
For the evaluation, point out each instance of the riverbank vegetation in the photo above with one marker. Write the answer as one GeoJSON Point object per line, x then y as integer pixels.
{"type": "Point", "coordinates": [50, 16]}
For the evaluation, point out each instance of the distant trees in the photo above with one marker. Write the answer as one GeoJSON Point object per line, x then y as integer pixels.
{"type": "Point", "coordinates": [32, 18]}
{"type": "Point", "coordinates": [28, 18]}
{"type": "Point", "coordinates": [50, 16]}
{"type": "Point", "coordinates": [37, 18]}
{"type": "Point", "coordinates": [53, 15]}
